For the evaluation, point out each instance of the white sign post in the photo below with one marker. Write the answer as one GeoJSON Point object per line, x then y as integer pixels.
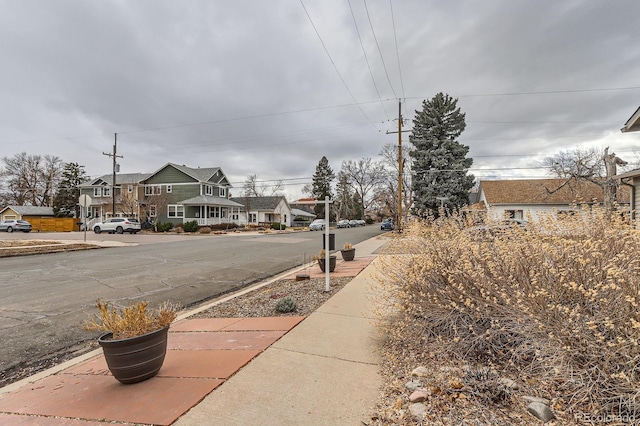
{"type": "Point", "coordinates": [85, 202]}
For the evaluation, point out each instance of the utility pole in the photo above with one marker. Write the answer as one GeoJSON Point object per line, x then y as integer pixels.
{"type": "Point", "coordinates": [115, 165]}
{"type": "Point", "coordinates": [400, 164]}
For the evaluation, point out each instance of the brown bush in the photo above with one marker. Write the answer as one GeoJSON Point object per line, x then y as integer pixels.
{"type": "Point", "coordinates": [555, 304]}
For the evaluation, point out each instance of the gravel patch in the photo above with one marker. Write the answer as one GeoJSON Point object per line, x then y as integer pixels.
{"type": "Point", "coordinates": [308, 295]}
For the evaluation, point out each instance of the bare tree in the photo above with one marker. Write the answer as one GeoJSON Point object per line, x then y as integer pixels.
{"type": "Point", "coordinates": [153, 206]}
{"type": "Point", "coordinates": [388, 197]}
{"type": "Point", "coordinates": [365, 176]}
{"type": "Point", "coordinates": [590, 165]}
{"type": "Point", "coordinates": [31, 179]}
{"type": "Point", "coordinates": [343, 206]}
{"type": "Point", "coordinates": [253, 188]}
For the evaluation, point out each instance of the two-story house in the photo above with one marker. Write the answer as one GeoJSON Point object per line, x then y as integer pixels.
{"type": "Point", "coordinates": [174, 193]}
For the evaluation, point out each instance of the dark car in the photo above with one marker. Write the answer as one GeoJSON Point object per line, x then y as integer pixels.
{"type": "Point", "coordinates": [11, 225]}
{"type": "Point", "coordinates": [387, 225]}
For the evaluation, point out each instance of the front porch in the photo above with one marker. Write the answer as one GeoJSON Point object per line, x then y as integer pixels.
{"type": "Point", "coordinates": [209, 211]}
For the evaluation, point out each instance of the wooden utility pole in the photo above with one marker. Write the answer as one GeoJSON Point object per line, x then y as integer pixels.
{"type": "Point", "coordinates": [400, 165]}
{"type": "Point", "coordinates": [115, 165]}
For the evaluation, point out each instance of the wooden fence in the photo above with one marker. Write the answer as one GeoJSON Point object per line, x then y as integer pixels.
{"type": "Point", "coordinates": [53, 224]}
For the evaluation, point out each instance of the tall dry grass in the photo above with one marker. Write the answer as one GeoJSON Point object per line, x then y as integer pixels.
{"type": "Point", "coordinates": [555, 304]}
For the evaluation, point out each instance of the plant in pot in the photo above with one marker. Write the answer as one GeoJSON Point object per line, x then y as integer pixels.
{"type": "Point", "coordinates": [134, 342]}
{"type": "Point", "coordinates": [321, 258]}
{"type": "Point", "coordinates": [348, 252]}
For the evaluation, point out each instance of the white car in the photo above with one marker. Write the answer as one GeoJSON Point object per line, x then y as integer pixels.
{"type": "Point", "coordinates": [117, 225]}
{"type": "Point", "coordinates": [317, 225]}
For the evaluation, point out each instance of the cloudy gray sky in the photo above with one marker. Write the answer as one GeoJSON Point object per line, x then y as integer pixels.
{"type": "Point", "coordinates": [249, 86]}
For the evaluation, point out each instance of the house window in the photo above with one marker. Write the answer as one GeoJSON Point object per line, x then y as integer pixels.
{"type": "Point", "coordinates": [514, 214]}
{"type": "Point", "coordinates": [253, 217]}
{"type": "Point", "coordinates": [223, 192]}
{"type": "Point", "coordinates": [214, 211]}
{"type": "Point", "coordinates": [129, 189]}
{"type": "Point", "coordinates": [208, 190]}
{"type": "Point", "coordinates": [169, 189]}
{"type": "Point", "coordinates": [106, 192]}
{"type": "Point", "coordinates": [234, 216]}
{"type": "Point", "coordinates": [97, 192]}
{"type": "Point", "coordinates": [152, 210]}
{"type": "Point", "coordinates": [152, 190]}
{"type": "Point", "coordinates": [175, 210]}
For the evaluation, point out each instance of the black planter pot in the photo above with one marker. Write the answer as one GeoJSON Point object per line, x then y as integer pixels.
{"type": "Point", "coordinates": [348, 254]}
{"type": "Point", "coordinates": [137, 358]}
{"type": "Point", "coordinates": [332, 263]}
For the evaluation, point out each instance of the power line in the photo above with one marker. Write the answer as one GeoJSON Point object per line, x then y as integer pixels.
{"type": "Point", "coordinates": [545, 92]}
{"type": "Point", "coordinates": [335, 66]}
{"type": "Point", "coordinates": [378, 45]}
{"type": "Point", "coordinates": [367, 60]}
{"type": "Point", "coordinates": [395, 37]}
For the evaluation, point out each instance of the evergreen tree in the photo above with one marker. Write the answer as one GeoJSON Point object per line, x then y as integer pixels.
{"type": "Point", "coordinates": [440, 162]}
{"type": "Point", "coordinates": [65, 203]}
{"type": "Point", "coordinates": [322, 179]}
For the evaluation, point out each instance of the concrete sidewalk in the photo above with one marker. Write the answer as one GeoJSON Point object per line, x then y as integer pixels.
{"type": "Point", "coordinates": [318, 370]}
{"type": "Point", "coordinates": [323, 372]}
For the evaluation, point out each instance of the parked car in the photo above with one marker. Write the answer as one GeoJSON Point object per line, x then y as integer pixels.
{"type": "Point", "coordinates": [117, 225]}
{"type": "Point", "coordinates": [344, 223]}
{"type": "Point", "coordinates": [317, 225]}
{"type": "Point", "coordinates": [353, 223]}
{"type": "Point", "coordinates": [361, 222]}
{"type": "Point", "coordinates": [489, 231]}
{"type": "Point", "coordinates": [387, 225]}
{"type": "Point", "coordinates": [11, 225]}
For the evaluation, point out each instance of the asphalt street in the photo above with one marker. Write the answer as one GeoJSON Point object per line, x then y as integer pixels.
{"type": "Point", "coordinates": [45, 298]}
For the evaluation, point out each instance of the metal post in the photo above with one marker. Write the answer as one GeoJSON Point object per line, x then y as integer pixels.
{"type": "Point", "coordinates": [327, 286]}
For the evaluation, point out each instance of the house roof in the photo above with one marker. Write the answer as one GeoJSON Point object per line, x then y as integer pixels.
{"type": "Point", "coordinates": [121, 178]}
{"type": "Point", "coordinates": [260, 203]}
{"type": "Point", "coordinates": [544, 191]}
{"type": "Point", "coordinates": [199, 174]}
{"type": "Point", "coordinates": [30, 210]}
{"type": "Point", "coordinates": [302, 212]}
{"type": "Point", "coordinates": [629, 174]}
{"type": "Point", "coordinates": [202, 200]}
{"type": "Point", "coordinates": [633, 123]}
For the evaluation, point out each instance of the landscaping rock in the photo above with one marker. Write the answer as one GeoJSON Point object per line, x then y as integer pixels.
{"type": "Point", "coordinates": [544, 401]}
{"type": "Point", "coordinates": [541, 411]}
{"type": "Point", "coordinates": [414, 385]}
{"type": "Point", "coordinates": [420, 372]}
{"type": "Point", "coordinates": [418, 410]}
{"type": "Point", "coordinates": [420, 395]}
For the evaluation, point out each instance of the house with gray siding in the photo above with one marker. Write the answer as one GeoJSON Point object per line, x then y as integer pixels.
{"type": "Point", "coordinates": [174, 193]}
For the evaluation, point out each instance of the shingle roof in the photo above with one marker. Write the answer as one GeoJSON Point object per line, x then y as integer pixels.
{"type": "Point", "coordinates": [545, 191]}
{"type": "Point", "coordinates": [121, 178]}
{"type": "Point", "coordinates": [259, 203]}
{"type": "Point", "coordinates": [31, 210]}
{"type": "Point", "coordinates": [302, 212]}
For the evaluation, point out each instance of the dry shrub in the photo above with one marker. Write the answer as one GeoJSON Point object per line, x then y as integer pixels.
{"type": "Point", "coordinates": [131, 321]}
{"type": "Point", "coordinates": [555, 304]}
{"type": "Point", "coordinates": [205, 230]}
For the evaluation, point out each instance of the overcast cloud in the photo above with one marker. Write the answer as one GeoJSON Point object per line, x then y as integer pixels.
{"type": "Point", "coordinates": [248, 86]}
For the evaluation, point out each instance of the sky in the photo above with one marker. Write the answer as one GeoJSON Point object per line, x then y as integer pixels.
{"type": "Point", "coordinates": [267, 88]}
